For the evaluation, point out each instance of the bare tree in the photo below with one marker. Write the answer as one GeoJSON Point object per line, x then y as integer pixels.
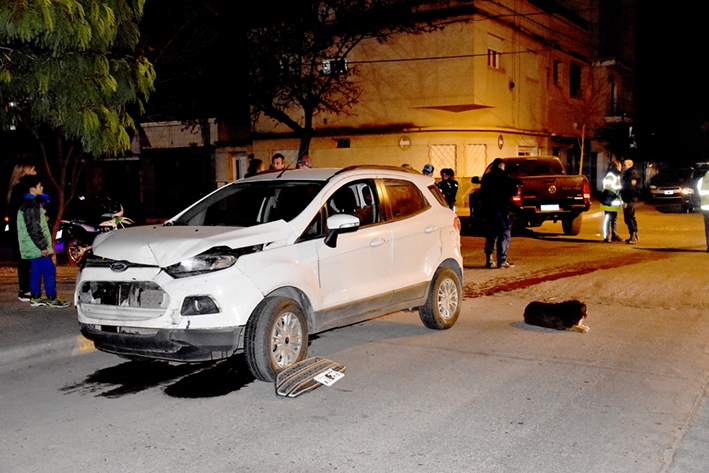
{"type": "Point", "coordinates": [298, 64]}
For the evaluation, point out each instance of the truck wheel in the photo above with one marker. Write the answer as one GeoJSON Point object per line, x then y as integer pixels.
{"type": "Point", "coordinates": [572, 226]}
{"type": "Point", "coordinates": [443, 305]}
{"type": "Point", "coordinates": [276, 337]}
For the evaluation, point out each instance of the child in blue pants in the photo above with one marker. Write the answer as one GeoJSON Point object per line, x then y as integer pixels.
{"type": "Point", "coordinates": [35, 244]}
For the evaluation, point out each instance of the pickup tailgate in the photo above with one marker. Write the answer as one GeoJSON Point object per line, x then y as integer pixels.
{"type": "Point", "coordinates": [553, 193]}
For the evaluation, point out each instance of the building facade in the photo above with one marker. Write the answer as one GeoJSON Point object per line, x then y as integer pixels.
{"type": "Point", "coordinates": [507, 78]}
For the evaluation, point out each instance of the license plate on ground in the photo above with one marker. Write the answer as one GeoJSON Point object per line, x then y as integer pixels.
{"type": "Point", "coordinates": [549, 207]}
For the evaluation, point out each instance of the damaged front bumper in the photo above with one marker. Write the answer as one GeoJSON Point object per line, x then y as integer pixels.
{"type": "Point", "coordinates": [166, 344]}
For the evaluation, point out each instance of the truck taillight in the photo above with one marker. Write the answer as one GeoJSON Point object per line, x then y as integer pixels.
{"type": "Point", "coordinates": [517, 198]}
{"type": "Point", "coordinates": [586, 192]}
{"type": "Point", "coordinates": [456, 224]}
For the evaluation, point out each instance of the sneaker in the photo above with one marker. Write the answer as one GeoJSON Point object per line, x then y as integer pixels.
{"type": "Point", "coordinates": [36, 300]}
{"type": "Point", "coordinates": [490, 264]}
{"type": "Point", "coordinates": [506, 264]}
{"type": "Point", "coordinates": [24, 296]}
{"type": "Point", "coordinates": [55, 303]}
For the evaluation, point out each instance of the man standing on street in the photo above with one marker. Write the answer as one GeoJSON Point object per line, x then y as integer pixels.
{"type": "Point", "coordinates": [703, 188]}
{"type": "Point", "coordinates": [496, 190]}
{"type": "Point", "coordinates": [630, 192]}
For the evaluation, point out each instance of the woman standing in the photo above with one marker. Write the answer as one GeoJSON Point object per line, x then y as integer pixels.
{"type": "Point", "coordinates": [611, 202]}
{"type": "Point", "coordinates": [14, 199]}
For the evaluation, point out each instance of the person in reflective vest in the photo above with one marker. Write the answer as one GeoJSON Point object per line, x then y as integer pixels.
{"type": "Point", "coordinates": [611, 202]}
{"type": "Point", "coordinates": [703, 188]}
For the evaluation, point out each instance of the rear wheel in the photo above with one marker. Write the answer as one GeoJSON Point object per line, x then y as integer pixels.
{"type": "Point", "coordinates": [276, 337]}
{"type": "Point", "coordinates": [443, 305]}
{"type": "Point", "coordinates": [572, 226]}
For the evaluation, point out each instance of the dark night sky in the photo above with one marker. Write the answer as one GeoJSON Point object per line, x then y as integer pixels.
{"type": "Point", "coordinates": [671, 83]}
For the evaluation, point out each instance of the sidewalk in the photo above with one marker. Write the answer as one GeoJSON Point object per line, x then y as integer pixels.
{"type": "Point", "coordinates": [27, 332]}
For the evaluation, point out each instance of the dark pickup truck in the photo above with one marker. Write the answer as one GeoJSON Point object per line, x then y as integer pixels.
{"type": "Point", "coordinates": [544, 192]}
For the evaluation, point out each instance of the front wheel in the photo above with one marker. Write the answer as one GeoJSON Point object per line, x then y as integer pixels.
{"type": "Point", "coordinates": [276, 337]}
{"type": "Point", "coordinates": [443, 305]}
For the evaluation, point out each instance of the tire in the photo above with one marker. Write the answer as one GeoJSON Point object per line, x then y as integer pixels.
{"type": "Point", "coordinates": [443, 305]}
{"type": "Point", "coordinates": [276, 337]}
{"type": "Point", "coordinates": [572, 226]}
{"type": "Point", "coordinates": [73, 253]}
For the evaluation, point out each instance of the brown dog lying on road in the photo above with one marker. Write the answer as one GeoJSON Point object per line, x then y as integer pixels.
{"type": "Point", "coordinates": [560, 316]}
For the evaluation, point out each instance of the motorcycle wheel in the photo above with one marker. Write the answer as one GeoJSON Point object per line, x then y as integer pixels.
{"type": "Point", "coordinates": [75, 252]}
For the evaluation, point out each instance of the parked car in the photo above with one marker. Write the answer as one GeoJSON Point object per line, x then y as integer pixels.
{"type": "Point", "coordinates": [260, 264]}
{"type": "Point", "coordinates": [690, 197]}
{"type": "Point", "coordinates": [544, 192]}
{"type": "Point", "coordinates": [670, 187]}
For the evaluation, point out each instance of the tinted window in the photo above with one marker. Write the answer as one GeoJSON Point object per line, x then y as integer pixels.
{"type": "Point", "coordinates": [533, 167]}
{"type": "Point", "coordinates": [357, 198]}
{"type": "Point", "coordinates": [438, 195]}
{"type": "Point", "coordinates": [252, 203]}
{"type": "Point", "coordinates": [404, 198]}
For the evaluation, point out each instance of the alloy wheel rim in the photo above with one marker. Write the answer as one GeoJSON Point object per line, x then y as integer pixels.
{"type": "Point", "coordinates": [447, 299]}
{"type": "Point", "coordinates": [286, 340]}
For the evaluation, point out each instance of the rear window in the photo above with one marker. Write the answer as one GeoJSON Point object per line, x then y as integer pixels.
{"type": "Point", "coordinates": [440, 198]}
{"type": "Point", "coordinates": [405, 199]}
{"type": "Point", "coordinates": [534, 167]}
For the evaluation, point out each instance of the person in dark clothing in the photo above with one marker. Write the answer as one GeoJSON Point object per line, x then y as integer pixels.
{"type": "Point", "coordinates": [448, 186]}
{"type": "Point", "coordinates": [14, 199]}
{"type": "Point", "coordinates": [496, 190]}
{"type": "Point", "coordinates": [630, 192]}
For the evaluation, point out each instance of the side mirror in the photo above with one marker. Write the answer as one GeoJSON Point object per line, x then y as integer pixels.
{"type": "Point", "coordinates": [475, 180]}
{"type": "Point", "coordinates": [340, 223]}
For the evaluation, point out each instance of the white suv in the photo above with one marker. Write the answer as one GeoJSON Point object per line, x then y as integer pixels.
{"type": "Point", "coordinates": [259, 264]}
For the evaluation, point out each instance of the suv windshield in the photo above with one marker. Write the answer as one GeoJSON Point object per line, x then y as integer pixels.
{"type": "Point", "coordinates": [252, 203]}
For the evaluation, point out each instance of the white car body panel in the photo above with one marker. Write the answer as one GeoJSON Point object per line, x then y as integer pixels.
{"type": "Point", "coordinates": [357, 278]}
{"type": "Point", "coordinates": [167, 245]}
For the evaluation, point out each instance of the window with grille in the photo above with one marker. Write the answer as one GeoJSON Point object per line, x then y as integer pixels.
{"type": "Point", "coordinates": [443, 156]}
{"type": "Point", "coordinates": [475, 159]}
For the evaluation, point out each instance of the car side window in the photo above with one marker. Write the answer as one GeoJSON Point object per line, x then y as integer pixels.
{"type": "Point", "coordinates": [357, 198]}
{"type": "Point", "coordinates": [405, 199]}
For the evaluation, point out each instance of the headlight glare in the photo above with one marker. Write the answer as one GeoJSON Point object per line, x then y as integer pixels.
{"type": "Point", "coordinates": [201, 264]}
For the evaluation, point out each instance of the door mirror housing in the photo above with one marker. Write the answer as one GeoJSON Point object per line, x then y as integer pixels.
{"type": "Point", "coordinates": [340, 223]}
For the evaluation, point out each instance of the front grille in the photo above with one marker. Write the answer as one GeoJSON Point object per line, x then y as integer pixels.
{"type": "Point", "coordinates": [144, 295]}
{"type": "Point", "coordinates": [93, 261]}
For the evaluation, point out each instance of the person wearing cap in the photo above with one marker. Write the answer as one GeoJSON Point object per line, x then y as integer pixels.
{"type": "Point", "coordinates": [427, 170]}
{"type": "Point", "coordinates": [496, 190]}
{"type": "Point", "coordinates": [304, 162]}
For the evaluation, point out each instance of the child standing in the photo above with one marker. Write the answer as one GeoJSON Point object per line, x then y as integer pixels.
{"type": "Point", "coordinates": [449, 187]}
{"type": "Point", "coordinates": [35, 244]}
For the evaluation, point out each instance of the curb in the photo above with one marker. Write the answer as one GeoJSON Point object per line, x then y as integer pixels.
{"type": "Point", "coordinates": [69, 345]}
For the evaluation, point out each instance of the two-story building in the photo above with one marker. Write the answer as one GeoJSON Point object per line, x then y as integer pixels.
{"type": "Point", "coordinates": [501, 78]}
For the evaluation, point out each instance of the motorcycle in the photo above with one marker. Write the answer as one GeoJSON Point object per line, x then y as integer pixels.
{"type": "Point", "coordinates": [75, 237]}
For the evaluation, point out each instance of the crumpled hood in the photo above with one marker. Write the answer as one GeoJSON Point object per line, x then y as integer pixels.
{"type": "Point", "coordinates": [165, 245]}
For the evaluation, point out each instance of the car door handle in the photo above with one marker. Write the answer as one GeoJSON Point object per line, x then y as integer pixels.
{"type": "Point", "coordinates": [429, 229]}
{"type": "Point", "coordinates": [377, 242]}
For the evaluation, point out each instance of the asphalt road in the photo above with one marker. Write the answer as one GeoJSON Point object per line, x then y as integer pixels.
{"type": "Point", "coordinates": [489, 395]}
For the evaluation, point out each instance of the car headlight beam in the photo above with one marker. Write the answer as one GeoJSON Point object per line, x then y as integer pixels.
{"type": "Point", "coordinates": [200, 264]}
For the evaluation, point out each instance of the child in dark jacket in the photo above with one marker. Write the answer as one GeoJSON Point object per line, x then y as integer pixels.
{"type": "Point", "coordinates": [448, 186]}
{"type": "Point", "coordinates": [35, 244]}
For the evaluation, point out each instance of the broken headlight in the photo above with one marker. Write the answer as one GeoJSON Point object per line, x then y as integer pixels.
{"type": "Point", "coordinates": [200, 264]}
